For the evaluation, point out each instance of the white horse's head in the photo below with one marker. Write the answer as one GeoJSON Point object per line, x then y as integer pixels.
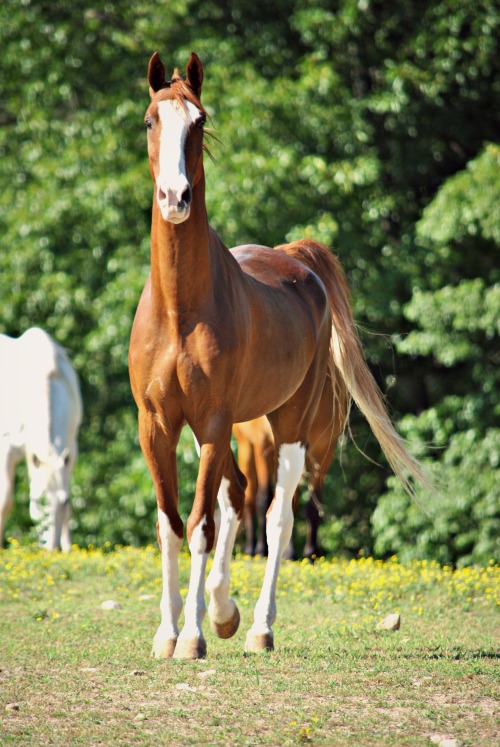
{"type": "Point", "coordinates": [49, 474]}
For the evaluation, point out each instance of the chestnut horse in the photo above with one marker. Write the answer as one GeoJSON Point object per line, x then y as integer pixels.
{"type": "Point", "coordinates": [256, 460]}
{"type": "Point", "coordinates": [221, 337]}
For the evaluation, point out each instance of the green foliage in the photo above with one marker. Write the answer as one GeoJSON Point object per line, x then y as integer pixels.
{"type": "Point", "coordinates": [458, 325]}
{"type": "Point", "coordinates": [364, 126]}
{"type": "Point", "coordinates": [460, 522]}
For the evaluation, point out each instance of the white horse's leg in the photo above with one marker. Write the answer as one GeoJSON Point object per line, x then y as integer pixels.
{"type": "Point", "coordinates": [8, 463]}
{"type": "Point", "coordinates": [50, 529]}
{"type": "Point", "coordinates": [51, 524]}
{"type": "Point", "coordinates": [6, 501]}
{"type": "Point", "coordinates": [65, 530]}
{"type": "Point", "coordinates": [191, 643]}
{"type": "Point", "coordinates": [222, 611]}
{"type": "Point", "coordinates": [279, 530]}
{"type": "Point", "coordinates": [171, 602]}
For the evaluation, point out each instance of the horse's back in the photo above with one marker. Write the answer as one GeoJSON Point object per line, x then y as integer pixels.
{"type": "Point", "coordinates": [38, 352]}
{"type": "Point", "coordinates": [35, 368]}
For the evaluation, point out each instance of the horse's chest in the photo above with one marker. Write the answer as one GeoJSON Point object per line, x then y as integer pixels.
{"type": "Point", "coordinates": [177, 375]}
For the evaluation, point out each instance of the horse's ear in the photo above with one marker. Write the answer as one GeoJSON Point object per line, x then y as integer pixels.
{"type": "Point", "coordinates": [156, 74]}
{"type": "Point", "coordinates": [194, 74]}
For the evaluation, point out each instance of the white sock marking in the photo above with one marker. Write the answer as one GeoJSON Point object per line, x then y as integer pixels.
{"type": "Point", "coordinates": [279, 530]}
{"type": "Point", "coordinates": [171, 602]}
{"type": "Point", "coordinates": [195, 607]}
{"type": "Point", "coordinates": [221, 607]}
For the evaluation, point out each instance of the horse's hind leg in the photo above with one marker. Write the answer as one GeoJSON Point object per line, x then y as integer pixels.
{"type": "Point", "coordinates": [327, 425]}
{"type": "Point", "coordinates": [7, 472]}
{"type": "Point", "coordinates": [289, 551]}
{"type": "Point", "coordinates": [264, 464]}
{"type": "Point", "coordinates": [246, 462]}
{"type": "Point", "coordinates": [290, 459]}
{"type": "Point", "coordinates": [318, 462]}
{"type": "Point", "coordinates": [222, 611]}
{"type": "Point", "coordinates": [290, 424]}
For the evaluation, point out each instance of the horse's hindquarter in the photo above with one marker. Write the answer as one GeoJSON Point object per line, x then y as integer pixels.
{"type": "Point", "coordinates": [284, 284]}
{"type": "Point", "coordinates": [288, 320]}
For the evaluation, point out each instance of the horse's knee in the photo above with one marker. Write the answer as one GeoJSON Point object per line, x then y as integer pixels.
{"type": "Point", "coordinates": [200, 533]}
{"type": "Point", "coordinates": [169, 530]}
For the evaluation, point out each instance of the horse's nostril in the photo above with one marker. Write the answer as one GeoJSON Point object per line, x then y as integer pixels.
{"type": "Point", "coordinates": [161, 194]}
{"type": "Point", "coordinates": [185, 197]}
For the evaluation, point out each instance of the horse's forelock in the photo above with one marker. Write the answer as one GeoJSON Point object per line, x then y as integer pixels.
{"type": "Point", "coordinates": [180, 91]}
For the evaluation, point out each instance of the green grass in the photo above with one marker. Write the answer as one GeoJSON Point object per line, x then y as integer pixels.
{"type": "Point", "coordinates": [75, 674]}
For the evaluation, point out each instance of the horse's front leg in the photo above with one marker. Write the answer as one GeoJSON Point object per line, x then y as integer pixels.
{"type": "Point", "coordinates": [159, 447]}
{"type": "Point", "coordinates": [170, 543]}
{"type": "Point", "coordinates": [65, 529]}
{"type": "Point", "coordinates": [7, 473]}
{"type": "Point", "coordinates": [223, 612]}
{"type": "Point", "coordinates": [191, 643]}
{"type": "Point", "coordinates": [279, 531]}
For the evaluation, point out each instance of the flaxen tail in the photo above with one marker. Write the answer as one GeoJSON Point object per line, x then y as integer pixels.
{"type": "Point", "coordinates": [348, 358]}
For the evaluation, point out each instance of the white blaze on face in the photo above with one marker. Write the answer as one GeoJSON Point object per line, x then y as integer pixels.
{"type": "Point", "coordinates": [172, 182]}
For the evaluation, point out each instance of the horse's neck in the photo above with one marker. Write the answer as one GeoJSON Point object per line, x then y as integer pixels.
{"type": "Point", "coordinates": [181, 267]}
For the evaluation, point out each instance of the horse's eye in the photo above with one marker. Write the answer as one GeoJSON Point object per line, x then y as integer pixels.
{"type": "Point", "coordinates": [35, 460]}
{"type": "Point", "coordinates": [200, 122]}
{"type": "Point", "coordinates": [67, 460]}
{"type": "Point", "coordinates": [149, 123]}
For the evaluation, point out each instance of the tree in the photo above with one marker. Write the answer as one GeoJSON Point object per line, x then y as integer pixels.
{"type": "Point", "coordinates": [341, 124]}
{"type": "Point", "coordinates": [458, 325]}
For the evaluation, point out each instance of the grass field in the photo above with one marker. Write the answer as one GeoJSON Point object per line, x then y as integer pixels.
{"type": "Point", "coordinates": [72, 673]}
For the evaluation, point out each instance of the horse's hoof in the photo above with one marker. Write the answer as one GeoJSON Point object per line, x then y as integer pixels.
{"type": "Point", "coordinates": [257, 642]}
{"type": "Point", "coordinates": [164, 649]}
{"type": "Point", "coordinates": [227, 629]}
{"type": "Point", "coordinates": [191, 648]}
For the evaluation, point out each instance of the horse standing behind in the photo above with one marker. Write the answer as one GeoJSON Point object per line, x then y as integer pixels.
{"type": "Point", "coordinates": [221, 337]}
{"type": "Point", "coordinates": [40, 414]}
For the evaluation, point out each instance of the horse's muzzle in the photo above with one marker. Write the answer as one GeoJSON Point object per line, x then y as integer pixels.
{"type": "Point", "coordinates": [174, 205]}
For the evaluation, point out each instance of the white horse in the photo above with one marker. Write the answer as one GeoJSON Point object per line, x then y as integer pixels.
{"type": "Point", "coordinates": [40, 414]}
